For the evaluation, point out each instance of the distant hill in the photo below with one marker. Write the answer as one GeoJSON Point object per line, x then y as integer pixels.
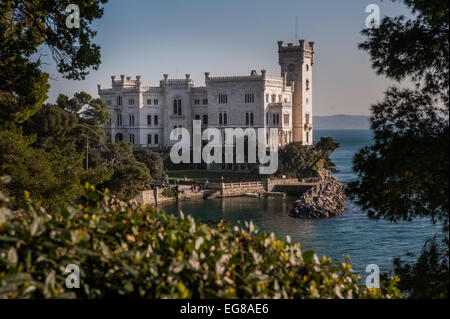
{"type": "Point", "coordinates": [342, 122]}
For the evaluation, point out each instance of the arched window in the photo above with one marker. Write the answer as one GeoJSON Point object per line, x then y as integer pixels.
{"type": "Point", "coordinates": [118, 138]}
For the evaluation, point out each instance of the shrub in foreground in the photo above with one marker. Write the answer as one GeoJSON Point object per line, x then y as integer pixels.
{"type": "Point", "coordinates": [140, 253]}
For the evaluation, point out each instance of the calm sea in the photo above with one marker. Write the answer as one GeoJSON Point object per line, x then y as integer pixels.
{"type": "Point", "coordinates": [366, 241]}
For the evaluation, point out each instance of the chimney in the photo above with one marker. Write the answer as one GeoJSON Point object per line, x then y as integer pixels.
{"type": "Point", "coordinates": [206, 77]}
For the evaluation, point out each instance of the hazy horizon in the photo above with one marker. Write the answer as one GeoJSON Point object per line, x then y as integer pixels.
{"type": "Point", "coordinates": [232, 38]}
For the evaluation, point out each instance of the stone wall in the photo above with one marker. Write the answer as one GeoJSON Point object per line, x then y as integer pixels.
{"type": "Point", "coordinates": [242, 191]}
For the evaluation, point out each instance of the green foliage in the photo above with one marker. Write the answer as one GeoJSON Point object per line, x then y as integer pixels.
{"type": "Point", "coordinates": [153, 161]}
{"type": "Point", "coordinates": [298, 160]}
{"type": "Point", "coordinates": [51, 125]}
{"type": "Point", "coordinates": [26, 26]}
{"type": "Point", "coordinates": [140, 253]}
{"type": "Point", "coordinates": [169, 192]}
{"type": "Point", "coordinates": [129, 176]}
{"type": "Point", "coordinates": [428, 277]}
{"type": "Point", "coordinates": [47, 176]}
{"type": "Point", "coordinates": [404, 174]}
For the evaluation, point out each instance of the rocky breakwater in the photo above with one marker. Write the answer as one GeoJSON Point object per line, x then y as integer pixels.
{"type": "Point", "coordinates": [324, 200]}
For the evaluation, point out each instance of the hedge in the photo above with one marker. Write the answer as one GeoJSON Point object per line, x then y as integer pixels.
{"type": "Point", "coordinates": [136, 252]}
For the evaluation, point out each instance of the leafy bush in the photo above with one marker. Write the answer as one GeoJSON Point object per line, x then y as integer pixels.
{"type": "Point", "coordinates": [169, 192]}
{"type": "Point", "coordinates": [138, 252]}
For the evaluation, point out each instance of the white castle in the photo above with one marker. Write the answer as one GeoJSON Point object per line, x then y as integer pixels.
{"type": "Point", "coordinates": [145, 115]}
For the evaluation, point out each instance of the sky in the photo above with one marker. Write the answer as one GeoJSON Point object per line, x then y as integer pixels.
{"type": "Point", "coordinates": [233, 37]}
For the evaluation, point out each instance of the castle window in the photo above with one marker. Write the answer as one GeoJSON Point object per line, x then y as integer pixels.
{"type": "Point", "coordinates": [156, 139]}
{"type": "Point", "coordinates": [149, 101]}
{"type": "Point", "coordinates": [223, 119]}
{"type": "Point", "coordinates": [149, 120]}
{"type": "Point", "coordinates": [307, 84]}
{"type": "Point", "coordinates": [267, 98]}
{"type": "Point", "coordinates": [119, 100]}
{"type": "Point", "coordinates": [177, 107]}
{"type": "Point", "coordinates": [307, 67]}
{"type": "Point", "coordinates": [119, 119]}
{"type": "Point", "coordinates": [131, 119]}
{"type": "Point", "coordinates": [307, 101]}
{"type": "Point", "coordinates": [286, 119]}
{"type": "Point", "coordinates": [274, 98]}
{"type": "Point", "coordinates": [197, 101]}
{"type": "Point", "coordinates": [249, 98]}
{"type": "Point", "coordinates": [197, 117]}
{"type": "Point", "coordinates": [155, 119]}
{"type": "Point", "coordinates": [247, 119]}
{"type": "Point", "coordinates": [251, 119]}
{"type": "Point", "coordinates": [205, 119]}
{"type": "Point", "coordinates": [307, 118]}
{"type": "Point", "coordinates": [131, 102]}
{"type": "Point", "coordinates": [223, 98]}
{"type": "Point", "coordinates": [132, 138]}
{"type": "Point", "coordinates": [267, 117]}
{"type": "Point", "coordinates": [155, 101]}
{"type": "Point", "coordinates": [119, 137]}
{"type": "Point", "coordinates": [205, 101]}
{"type": "Point", "coordinates": [276, 118]}
{"type": "Point", "coordinates": [149, 139]}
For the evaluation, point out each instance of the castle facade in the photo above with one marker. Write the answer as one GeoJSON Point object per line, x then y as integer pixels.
{"type": "Point", "coordinates": [145, 115]}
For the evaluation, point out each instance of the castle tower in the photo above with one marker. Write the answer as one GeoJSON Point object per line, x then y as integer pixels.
{"type": "Point", "coordinates": [296, 61]}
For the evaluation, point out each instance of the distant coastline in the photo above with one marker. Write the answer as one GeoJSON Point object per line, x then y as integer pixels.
{"type": "Point", "coordinates": [342, 122]}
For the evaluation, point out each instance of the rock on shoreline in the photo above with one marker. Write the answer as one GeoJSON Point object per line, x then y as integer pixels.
{"type": "Point", "coordinates": [324, 200]}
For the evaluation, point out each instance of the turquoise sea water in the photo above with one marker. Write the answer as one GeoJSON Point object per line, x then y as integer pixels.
{"type": "Point", "coordinates": [366, 241]}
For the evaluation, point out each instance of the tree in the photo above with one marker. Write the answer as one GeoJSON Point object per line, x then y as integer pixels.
{"type": "Point", "coordinates": [303, 161]}
{"type": "Point", "coordinates": [129, 176]}
{"type": "Point", "coordinates": [43, 162]}
{"type": "Point", "coordinates": [404, 174]}
{"type": "Point", "coordinates": [51, 125]}
{"type": "Point", "coordinates": [27, 25]}
{"type": "Point", "coordinates": [152, 160]}
{"type": "Point", "coordinates": [48, 176]}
